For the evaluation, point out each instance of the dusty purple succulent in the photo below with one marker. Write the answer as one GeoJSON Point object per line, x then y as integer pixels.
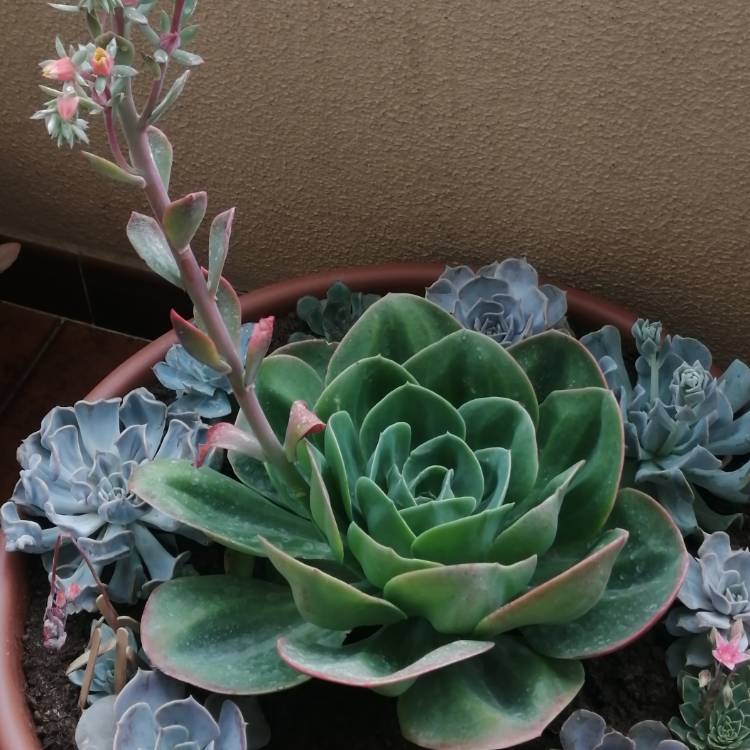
{"type": "Point", "coordinates": [585, 730]}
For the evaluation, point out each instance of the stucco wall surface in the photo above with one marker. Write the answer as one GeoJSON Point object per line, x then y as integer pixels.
{"type": "Point", "coordinates": [609, 140]}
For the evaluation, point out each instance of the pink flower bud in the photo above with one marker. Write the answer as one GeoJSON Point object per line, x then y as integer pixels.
{"type": "Point", "coordinates": [101, 62]}
{"type": "Point", "coordinates": [59, 70]}
{"type": "Point", "coordinates": [260, 341]}
{"type": "Point", "coordinates": [67, 106]}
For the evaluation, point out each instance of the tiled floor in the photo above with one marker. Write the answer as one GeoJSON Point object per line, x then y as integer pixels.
{"type": "Point", "coordinates": [46, 361]}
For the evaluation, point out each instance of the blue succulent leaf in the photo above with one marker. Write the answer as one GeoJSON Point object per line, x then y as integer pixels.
{"type": "Point", "coordinates": [681, 422]}
{"type": "Point", "coordinates": [200, 389]}
{"type": "Point", "coordinates": [502, 300]}
{"type": "Point", "coordinates": [74, 480]}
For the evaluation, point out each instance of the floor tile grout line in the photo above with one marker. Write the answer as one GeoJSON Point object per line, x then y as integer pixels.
{"type": "Point", "coordinates": [43, 349]}
{"type": "Point", "coordinates": [86, 294]}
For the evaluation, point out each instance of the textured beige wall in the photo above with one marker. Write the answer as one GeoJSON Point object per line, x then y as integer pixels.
{"type": "Point", "coordinates": [607, 139]}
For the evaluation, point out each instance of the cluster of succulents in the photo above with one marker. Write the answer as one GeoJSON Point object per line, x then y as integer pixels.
{"type": "Point", "coordinates": [152, 713]}
{"type": "Point", "coordinates": [585, 730]}
{"type": "Point", "coordinates": [332, 317]}
{"type": "Point", "coordinates": [502, 300]}
{"type": "Point", "coordinates": [715, 715]}
{"type": "Point", "coordinates": [444, 504]}
{"type": "Point", "coordinates": [715, 594]}
{"type": "Point", "coordinates": [74, 482]}
{"type": "Point", "coordinates": [682, 424]}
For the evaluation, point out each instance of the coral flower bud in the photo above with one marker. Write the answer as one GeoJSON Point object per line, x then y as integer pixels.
{"type": "Point", "coordinates": [130, 3]}
{"type": "Point", "coordinates": [67, 106]}
{"type": "Point", "coordinates": [59, 70]}
{"type": "Point", "coordinates": [101, 62]}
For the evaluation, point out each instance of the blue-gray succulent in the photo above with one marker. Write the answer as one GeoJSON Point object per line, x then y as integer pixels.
{"type": "Point", "coordinates": [199, 388]}
{"type": "Point", "coordinates": [682, 424]}
{"type": "Point", "coordinates": [716, 593]}
{"type": "Point", "coordinates": [332, 317]}
{"type": "Point", "coordinates": [103, 682]}
{"type": "Point", "coordinates": [585, 730]}
{"type": "Point", "coordinates": [152, 713]}
{"type": "Point", "coordinates": [503, 300]}
{"type": "Point", "coordinates": [74, 482]}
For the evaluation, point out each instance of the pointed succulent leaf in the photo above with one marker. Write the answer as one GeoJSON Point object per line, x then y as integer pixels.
{"type": "Point", "coordinates": [645, 579]}
{"type": "Point", "coordinates": [302, 422]}
{"type": "Point", "coordinates": [344, 458]}
{"type": "Point", "coordinates": [442, 367]}
{"type": "Point", "coordinates": [535, 531]}
{"type": "Point", "coordinates": [321, 510]}
{"type": "Point", "coordinates": [346, 392]}
{"type": "Point", "coordinates": [170, 98]}
{"type": "Point", "coordinates": [593, 417]}
{"type": "Point", "coordinates": [218, 247]}
{"type": "Point", "coordinates": [378, 561]}
{"type": "Point", "coordinates": [257, 348]}
{"type": "Point", "coordinates": [565, 597]}
{"type": "Point", "coordinates": [455, 598]}
{"type": "Point", "coordinates": [225, 510]}
{"type": "Point", "coordinates": [329, 602]}
{"type": "Point", "coordinates": [555, 361]}
{"type": "Point", "coordinates": [498, 700]}
{"type": "Point", "coordinates": [148, 240]}
{"type": "Point", "coordinates": [395, 654]}
{"type": "Point", "coordinates": [428, 415]}
{"type": "Point", "coordinates": [496, 422]}
{"type": "Point", "coordinates": [197, 343]}
{"type": "Point", "coordinates": [112, 171]}
{"type": "Point", "coordinates": [316, 352]}
{"type": "Point", "coordinates": [397, 327]}
{"type": "Point", "coordinates": [228, 304]}
{"type": "Point", "coordinates": [161, 151]}
{"type": "Point", "coordinates": [183, 217]}
{"type": "Point", "coordinates": [383, 521]}
{"type": "Point", "coordinates": [227, 643]}
{"type": "Point", "coordinates": [464, 540]}
{"type": "Point", "coordinates": [420, 518]}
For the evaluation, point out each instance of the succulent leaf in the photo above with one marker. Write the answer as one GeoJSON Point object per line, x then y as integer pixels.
{"type": "Point", "coordinates": [148, 240]}
{"type": "Point", "coordinates": [182, 218]}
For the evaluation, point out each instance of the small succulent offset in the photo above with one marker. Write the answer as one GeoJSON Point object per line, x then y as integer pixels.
{"type": "Point", "coordinates": [332, 317]}
{"type": "Point", "coordinates": [715, 594]}
{"type": "Point", "coordinates": [682, 424]}
{"type": "Point", "coordinates": [103, 683]}
{"type": "Point", "coordinates": [199, 388]}
{"type": "Point", "coordinates": [503, 300]}
{"type": "Point", "coordinates": [152, 713]}
{"type": "Point", "coordinates": [715, 713]}
{"type": "Point", "coordinates": [75, 474]}
{"type": "Point", "coordinates": [462, 497]}
{"type": "Point", "coordinates": [585, 730]}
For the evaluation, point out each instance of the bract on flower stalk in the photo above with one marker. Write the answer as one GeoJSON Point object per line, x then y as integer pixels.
{"type": "Point", "coordinates": [61, 69]}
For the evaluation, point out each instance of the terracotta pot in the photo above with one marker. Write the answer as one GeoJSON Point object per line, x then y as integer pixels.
{"type": "Point", "coordinates": [16, 726]}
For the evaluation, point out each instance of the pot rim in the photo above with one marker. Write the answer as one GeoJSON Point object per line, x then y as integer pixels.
{"type": "Point", "coordinates": [18, 731]}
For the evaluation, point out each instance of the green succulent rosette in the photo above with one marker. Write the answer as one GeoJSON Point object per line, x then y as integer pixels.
{"type": "Point", "coordinates": [460, 540]}
{"type": "Point", "coordinates": [716, 717]}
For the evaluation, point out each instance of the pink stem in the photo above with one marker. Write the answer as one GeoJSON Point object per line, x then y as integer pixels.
{"type": "Point", "coordinates": [119, 22]}
{"type": "Point", "coordinates": [154, 95]}
{"type": "Point", "coordinates": [114, 143]}
{"type": "Point", "coordinates": [177, 15]}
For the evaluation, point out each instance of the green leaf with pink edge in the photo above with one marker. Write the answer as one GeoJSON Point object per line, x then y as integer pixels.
{"type": "Point", "coordinates": [148, 240]}
{"type": "Point", "coordinates": [455, 598]}
{"type": "Point", "coordinates": [564, 598]}
{"type": "Point", "coordinates": [575, 425]}
{"type": "Point", "coordinates": [500, 699]}
{"type": "Point", "coordinates": [227, 644]}
{"type": "Point", "coordinates": [442, 367]}
{"type": "Point", "coordinates": [645, 580]}
{"type": "Point", "coordinates": [112, 171]}
{"type": "Point", "coordinates": [225, 510]}
{"type": "Point", "coordinates": [197, 343]}
{"type": "Point", "coordinates": [329, 602]}
{"type": "Point", "coordinates": [183, 217]}
{"type": "Point", "coordinates": [389, 661]}
{"type": "Point", "coordinates": [396, 327]}
{"type": "Point", "coordinates": [218, 247]}
{"type": "Point", "coordinates": [573, 365]}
